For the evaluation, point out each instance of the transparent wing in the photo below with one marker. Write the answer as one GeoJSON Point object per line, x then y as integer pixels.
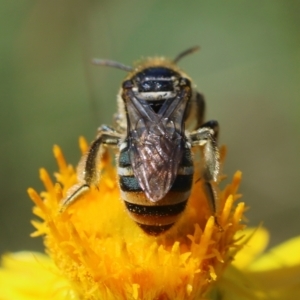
{"type": "Point", "coordinates": [155, 156]}
{"type": "Point", "coordinates": [156, 142]}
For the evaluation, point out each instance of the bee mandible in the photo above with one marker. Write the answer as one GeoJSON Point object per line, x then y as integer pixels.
{"type": "Point", "coordinates": [156, 103]}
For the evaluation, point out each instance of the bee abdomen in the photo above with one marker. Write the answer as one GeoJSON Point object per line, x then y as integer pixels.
{"type": "Point", "coordinates": [155, 217]}
{"type": "Point", "coordinates": [155, 220]}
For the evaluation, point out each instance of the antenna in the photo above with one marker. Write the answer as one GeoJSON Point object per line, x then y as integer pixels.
{"type": "Point", "coordinates": [186, 52]}
{"type": "Point", "coordinates": [111, 63]}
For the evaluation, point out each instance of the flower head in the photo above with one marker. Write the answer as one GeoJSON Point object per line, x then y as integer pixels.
{"type": "Point", "coordinates": [97, 252]}
{"type": "Point", "coordinates": [105, 255]}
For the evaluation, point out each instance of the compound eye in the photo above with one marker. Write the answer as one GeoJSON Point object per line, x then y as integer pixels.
{"type": "Point", "coordinates": [184, 82]}
{"type": "Point", "coordinates": [127, 84]}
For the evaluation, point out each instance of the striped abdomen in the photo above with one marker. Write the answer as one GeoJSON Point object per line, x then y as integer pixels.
{"type": "Point", "coordinates": [155, 217]}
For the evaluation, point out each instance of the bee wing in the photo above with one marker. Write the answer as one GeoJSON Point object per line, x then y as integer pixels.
{"type": "Point", "coordinates": [155, 158]}
{"type": "Point", "coordinates": [156, 142]}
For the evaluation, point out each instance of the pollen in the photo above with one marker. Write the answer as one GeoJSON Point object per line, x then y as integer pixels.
{"type": "Point", "coordinates": [103, 254]}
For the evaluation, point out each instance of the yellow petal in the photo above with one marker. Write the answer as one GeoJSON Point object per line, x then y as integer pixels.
{"type": "Point", "coordinates": [273, 276]}
{"type": "Point", "coordinates": [283, 256]}
{"type": "Point", "coordinates": [32, 276]}
{"type": "Point", "coordinates": [257, 241]}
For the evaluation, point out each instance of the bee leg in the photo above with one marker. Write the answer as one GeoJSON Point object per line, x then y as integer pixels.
{"type": "Point", "coordinates": [213, 125]}
{"type": "Point", "coordinates": [205, 137]}
{"type": "Point", "coordinates": [107, 129]}
{"type": "Point", "coordinates": [90, 172]}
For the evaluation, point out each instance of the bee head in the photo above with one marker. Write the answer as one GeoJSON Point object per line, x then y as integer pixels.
{"type": "Point", "coordinates": [154, 80]}
{"type": "Point", "coordinates": [153, 85]}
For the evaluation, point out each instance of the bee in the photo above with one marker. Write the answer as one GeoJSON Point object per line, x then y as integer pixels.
{"type": "Point", "coordinates": [156, 103]}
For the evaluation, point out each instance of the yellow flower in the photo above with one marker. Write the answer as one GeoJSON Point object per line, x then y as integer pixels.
{"type": "Point", "coordinates": [97, 252]}
{"type": "Point", "coordinates": [273, 276]}
{"type": "Point", "coordinates": [105, 255]}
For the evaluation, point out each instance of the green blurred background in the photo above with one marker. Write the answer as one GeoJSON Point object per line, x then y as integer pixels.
{"type": "Point", "coordinates": [248, 69]}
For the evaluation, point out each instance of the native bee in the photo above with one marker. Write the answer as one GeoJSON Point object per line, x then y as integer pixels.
{"type": "Point", "coordinates": [156, 103]}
